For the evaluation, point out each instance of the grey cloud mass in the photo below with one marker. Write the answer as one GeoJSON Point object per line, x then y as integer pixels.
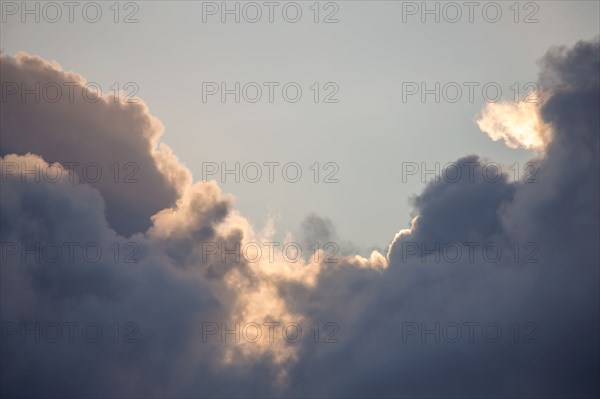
{"type": "Point", "coordinates": [80, 127]}
{"type": "Point", "coordinates": [172, 290]}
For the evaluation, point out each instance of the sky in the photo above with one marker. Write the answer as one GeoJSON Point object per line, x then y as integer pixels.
{"type": "Point", "coordinates": [424, 222]}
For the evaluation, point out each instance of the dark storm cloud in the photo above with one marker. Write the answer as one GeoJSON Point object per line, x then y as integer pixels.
{"type": "Point", "coordinates": [575, 68]}
{"type": "Point", "coordinates": [465, 210]}
{"type": "Point", "coordinates": [165, 299]}
{"type": "Point", "coordinates": [172, 289]}
{"type": "Point", "coordinates": [80, 127]}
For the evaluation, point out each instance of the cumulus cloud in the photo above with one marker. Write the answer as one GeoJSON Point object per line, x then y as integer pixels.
{"type": "Point", "coordinates": [363, 305]}
{"type": "Point", "coordinates": [59, 116]}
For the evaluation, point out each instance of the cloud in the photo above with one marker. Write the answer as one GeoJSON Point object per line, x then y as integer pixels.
{"type": "Point", "coordinates": [518, 124]}
{"type": "Point", "coordinates": [547, 309]}
{"type": "Point", "coordinates": [63, 120]}
{"type": "Point", "coordinates": [558, 214]}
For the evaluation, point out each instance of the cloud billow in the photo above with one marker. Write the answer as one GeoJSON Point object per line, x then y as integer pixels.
{"type": "Point", "coordinates": [380, 304]}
